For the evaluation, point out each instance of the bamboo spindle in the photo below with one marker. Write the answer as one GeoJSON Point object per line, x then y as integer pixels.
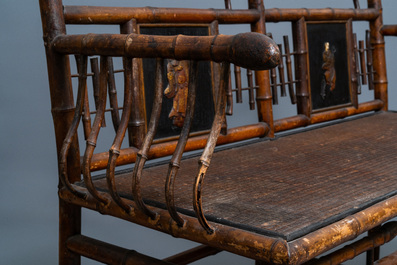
{"type": "Point", "coordinates": [113, 95]}
{"type": "Point", "coordinates": [251, 96]}
{"type": "Point", "coordinates": [72, 131]}
{"type": "Point", "coordinates": [356, 64]}
{"type": "Point", "coordinates": [95, 83]}
{"type": "Point", "coordinates": [369, 60]}
{"type": "Point", "coordinates": [86, 118]}
{"type": "Point", "coordinates": [237, 70]}
{"type": "Point", "coordinates": [301, 66]}
{"type": "Point", "coordinates": [114, 151]}
{"type": "Point", "coordinates": [229, 96]}
{"type": "Point", "coordinates": [289, 70]}
{"type": "Point", "coordinates": [362, 61]}
{"type": "Point", "coordinates": [142, 155]}
{"type": "Point", "coordinates": [137, 123]}
{"type": "Point", "coordinates": [273, 78]}
{"type": "Point", "coordinates": [237, 76]}
{"type": "Point", "coordinates": [206, 156]}
{"type": "Point", "coordinates": [177, 156]}
{"type": "Point", "coordinates": [281, 74]}
{"type": "Point", "coordinates": [93, 137]}
{"type": "Point", "coordinates": [356, 4]}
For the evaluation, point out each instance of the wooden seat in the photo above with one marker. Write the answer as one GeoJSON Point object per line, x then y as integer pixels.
{"type": "Point", "coordinates": [271, 191]}
{"type": "Point", "coordinates": [289, 195]}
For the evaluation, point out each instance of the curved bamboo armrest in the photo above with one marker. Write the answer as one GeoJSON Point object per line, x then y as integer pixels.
{"type": "Point", "coordinates": [249, 50]}
{"type": "Point", "coordinates": [389, 30]}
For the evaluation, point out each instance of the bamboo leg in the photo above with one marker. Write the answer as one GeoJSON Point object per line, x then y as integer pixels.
{"type": "Point", "coordinates": [69, 225]}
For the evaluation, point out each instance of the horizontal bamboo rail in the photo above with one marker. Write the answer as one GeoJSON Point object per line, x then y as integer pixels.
{"type": "Point", "coordinates": [121, 15]}
{"type": "Point", "coordinates": [302, 120]}
{"type": "Point", "coordinates": [382, 235]}
{"type": "Point", "coordinates": [107, 253]}
{"type": "Point", "coordinates": [192, 255]}
{"type": "Point", "coordinates": [342, 231]}
{"type": "Point", "coordinates": [128, 155]}
{"type": "Point", "coordinates": [389, 30]}
{"type": "Point", "coordinates": [320, 14]}
{"type": "Point", "coordinates": [249, 50]}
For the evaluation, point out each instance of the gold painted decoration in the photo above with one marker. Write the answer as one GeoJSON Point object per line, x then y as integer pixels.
{"type": "Point", "coordinates": [329, 79]}
{"type": "Point", "coordinates": [178, 80]}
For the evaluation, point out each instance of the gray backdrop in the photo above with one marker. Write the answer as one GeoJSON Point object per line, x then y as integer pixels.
{"type": "Point", "coordinates": [28, 194]}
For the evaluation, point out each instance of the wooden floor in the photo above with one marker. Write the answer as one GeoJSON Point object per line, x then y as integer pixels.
{"type": "Point", "coordinates": [290, 186]}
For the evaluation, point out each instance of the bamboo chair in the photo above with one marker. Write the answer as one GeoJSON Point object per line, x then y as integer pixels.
{"type": "Point", "coordinates": [278, 198]}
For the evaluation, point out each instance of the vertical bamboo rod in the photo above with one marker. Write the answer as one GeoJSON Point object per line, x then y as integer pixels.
{"type": "Point", "coordinates": [62, 107]}
{"type": "Point", "coordinates": [379, 58]}
{"type": "Point", "coordinates": [142, 155]}
{"type": "Point", "coordinates": [356, 4]}
{"type": "Point", "coordinates": [95, 83]}
{"type": "Point", "coordinates": [369, 60]}
{"type": "Point", "coordinates": [301, 67]}
{"type": "Point", "coordinates": [281, 75]}
{"type": "Point", "coordinates": [137, 123]}
{"type": "Point", "coordinates": [113, 95]}
{"type": "Point", "coordinates": [251, 96]}
{"type": "Point", "coordinates": [273, 78]}
{"type": "Point", "coordinates": [114, 151]}
{"type": "Point", "coordinates": [237, 76]}
{"type": "Point", "coordinates": [93, 137]}
{"type": "Point", "coordinates": [263, 93]}
{"type": "Point", "coordinates": [86, 118]}
{"type": "Point", "coordinates": [362, 62]}
{"type": "Point", "coordinates": [289, 70]}
{"type": "Point", "coordinates": [237, 70]}
{"type": "Point", "coordinates": [229, 96]}
{"type": "Point", "coordinates": [356, 64]}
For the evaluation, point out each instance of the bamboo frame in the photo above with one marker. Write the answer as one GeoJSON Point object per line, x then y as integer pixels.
{"type": "Point", "coordinates": [128, 44]}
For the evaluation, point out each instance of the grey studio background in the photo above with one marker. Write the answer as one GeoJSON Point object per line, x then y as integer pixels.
{"type": "Point", "coordinates": [28, 168]}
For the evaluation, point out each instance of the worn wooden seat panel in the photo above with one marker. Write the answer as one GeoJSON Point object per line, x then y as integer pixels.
{"type": "Point", "coordinates": [292, 186]}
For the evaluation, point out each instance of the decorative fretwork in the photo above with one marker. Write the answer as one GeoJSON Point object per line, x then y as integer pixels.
{"type": "Point", "coordinates": [111, 90]}
{"type": "Point", "coordinates": [286, 56]}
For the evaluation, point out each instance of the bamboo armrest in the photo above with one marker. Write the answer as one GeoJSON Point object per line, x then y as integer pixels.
{"type": "Point", "coordinates": [389, 30]}
{"type": "Point", "coordinates": [249, 50]}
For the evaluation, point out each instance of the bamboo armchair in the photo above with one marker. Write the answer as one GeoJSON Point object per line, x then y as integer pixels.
{"type": "Point", "coordinates": [275, 197]}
